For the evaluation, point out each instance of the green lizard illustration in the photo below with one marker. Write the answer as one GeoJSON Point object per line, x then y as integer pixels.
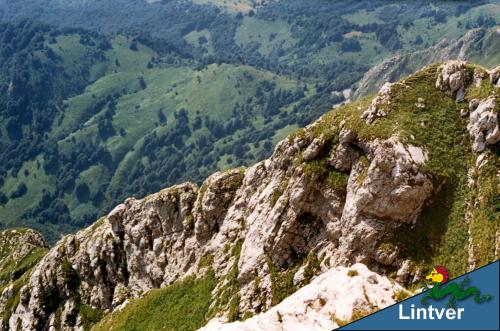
{"type": "Point", "coordinates": [439, 276]}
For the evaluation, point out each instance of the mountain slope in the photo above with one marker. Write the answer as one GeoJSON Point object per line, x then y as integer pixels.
{"type": "Point", "coordinates": [124, 119]}
{"type": "Point", "coordinates": [479, 45]}
{"type": "Point", "coordinates": [179, 90]}
{"type": "Point", "coordinates": [400, 182]}
{"type": "Point", "coordinates": [314, 41]}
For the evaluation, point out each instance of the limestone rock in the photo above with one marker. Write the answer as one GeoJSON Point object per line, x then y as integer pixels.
{"type": "Point", "coordinates": [390, 190]}
{"type": "Point", "coordinates": [283, 214]}
{"type": "Point", "coordinates": [420, 103]}
{"type": "Point", "coordinates": [495, 76]}
{"type": "Point", "coordinates": [323, 303]}
{"type": "Point", "coordinates": [483, 124]}
{"type": "Point", "coordinates": [478, 77]}
{"type": "Point", "coordinates": [452, 77]}
{"type": "Point", "coordinates": [376, 109]}
{"type": "Point", "coordinates": [313, 149]}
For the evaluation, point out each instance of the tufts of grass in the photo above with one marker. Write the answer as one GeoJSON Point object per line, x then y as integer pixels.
{"type": "Point", "coordinates": [311, 267]}
{"type": "Point", "coordinates": [401, 295]}
{"type": "Point", "coordinates": [227, 297]}
{"type": "Point", "coordinates": [281, 282]}
{"type": "Point", "coordinates": [13, 271]}
{"type": "Point", "coordinates": [206, 261]}
{"type": "Point", "coordinates": [356, 315]}
{"type": "Point", "coordinates": [366, 164]}
{"type": "Point", "coordinates": [182, 306]}
{"type": "Point", "coordinates": [278, 192]}
{"type": "Point", "coordinates": [321, 168]}
{"type": "Point", "coordinates": [485, 217]}
{"type": "Point", "coordinates": [13, 301]}
{"type": "Point", "coordinates": [89, 316]}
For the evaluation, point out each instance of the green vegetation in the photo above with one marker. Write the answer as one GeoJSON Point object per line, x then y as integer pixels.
{"type": "Point", "coordinates": [13, 301]}
{"type": "Point", "coordinates": [356, 315]}
{"type": "Point", "coordinates": [401, 295]}
{"type": "Point", "coordinates": [89, 315]}
{"type": "Point", "coordinates": [311, 267]}
{"type": "Point", "coordinates": [17, 259]}
{"type": "Point", "coordinates": [179, 91]}
{"type": "Point", "coordinates": [227, 297]}
{"type": "Point", "coordinates": [182, 306]}
{"type": "Point", "coordinates": [440, 234]}
{"type": "Point", "coordinates": [281, 282]}
{"type": "Point", "coordinates": [87, 157]}
{"type": "Point", "coordinates": [13, 265]}
{"type": "Point", "coordinates": [278, 192]}
{"type": "Point", "coordinates": [321, 168]}
{"type": "Point", "coordinates": [206, 261]}
{"type": "Point", "coordinates": [485, 217]}
{"type": "Point", "coordinates": [366, 164]}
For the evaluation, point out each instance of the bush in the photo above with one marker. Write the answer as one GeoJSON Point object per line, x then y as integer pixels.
{"type": "Point", "coordinates": [21, 190]}
{"type": "Point", "coordinates": [82, 192]}
{"type": "Point", "coordinates": [3, 199]}
{"type": "Point", "coordinates": [350, 45]}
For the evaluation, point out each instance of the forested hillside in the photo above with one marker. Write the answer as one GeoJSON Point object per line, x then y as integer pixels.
{"type": "Point", "coordinates": [89, 120]}
{"type": "Point", "coordinates": [100, 101]}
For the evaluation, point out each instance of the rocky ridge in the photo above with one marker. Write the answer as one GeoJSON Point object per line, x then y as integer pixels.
{"type": "Point", "coordinates": [465, 48]}
{"type": "Point", "coordinates": [342, 191]}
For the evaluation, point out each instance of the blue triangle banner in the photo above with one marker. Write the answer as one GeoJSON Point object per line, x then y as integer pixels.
{"type": "Point", "coordinates": [474, 296]}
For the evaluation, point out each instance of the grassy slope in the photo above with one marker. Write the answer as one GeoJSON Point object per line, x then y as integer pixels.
{"type": "Point", "coordinates": [256, 32]}
{"type": "Point", "coordinates": [181, 306]}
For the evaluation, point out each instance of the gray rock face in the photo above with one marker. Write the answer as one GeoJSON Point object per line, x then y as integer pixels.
{"type": "Point", "coordinates": [483, 124]}
{"type": "Point", "coordinates": [495, 76]}
{"type": "Point", "coordinates": [152, 242]}
{"type": "Point", "coordinates": [452, 77]}
{"type": "Point", "coordinates": [388, 191]}
{"type": "Point", "coordinates": [376, 109]}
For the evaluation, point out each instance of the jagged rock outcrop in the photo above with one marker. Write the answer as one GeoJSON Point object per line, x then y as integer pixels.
{"type": "Point", "coordinates": [380, 196]}
{"type": "Point", "coordinates": [452, 77]}
{"type": "Point", "coordinates": [495, 76]}
{"type": "Point", "coordinates": [376, 107]}
{"type": "Point", "coordinates": [20, 249]}
{"type": "Point", "coordinates": [333, 194]}
{"type": "Point", "coordinates": [148, 243]}
{"type": "Point", "coordinates": [483, 123]}
{"type": "Point", "coordinates": [15, 244]}
{"type": "Point", "coordinates": [324, 304]}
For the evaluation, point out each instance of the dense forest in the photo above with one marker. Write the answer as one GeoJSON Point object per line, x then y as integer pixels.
{"type": "Point", "coordinates": [97, 108]}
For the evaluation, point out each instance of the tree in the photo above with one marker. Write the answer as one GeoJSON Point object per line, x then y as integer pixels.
{"type": "Point", "coordinates": [3, 199]}
{"type": "Point", "coordinates": [21, 190]}
{"type": "Point", "coordinates": [350, 45]}
{"type": "Point", "coordinates": [161, 117]}
{"type": "Point", "coordinates": [133, 45]}
{"type": "Point", "coordinates": [142, 83]}
{"type": "Point", "coordinates": [82, 192]}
